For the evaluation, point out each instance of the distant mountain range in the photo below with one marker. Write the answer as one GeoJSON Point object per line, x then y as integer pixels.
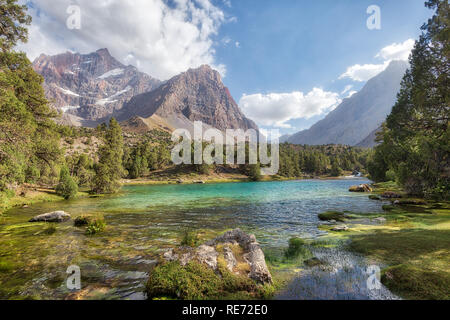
{"type": "Point", "coordinates": [355, 121]}
{"type": "Point", "coordinates": [89, 89]}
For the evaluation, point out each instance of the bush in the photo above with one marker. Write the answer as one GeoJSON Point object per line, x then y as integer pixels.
{"type": "Point", "coordinates": [96, 225]}
{"type": "Point", "coordinates": [190, 239]}
{"type": "Point", "coordinates": [67, 188]}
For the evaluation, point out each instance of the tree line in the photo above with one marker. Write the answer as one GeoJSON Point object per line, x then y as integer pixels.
{"type": "Point", "coordinates": [414, 141]}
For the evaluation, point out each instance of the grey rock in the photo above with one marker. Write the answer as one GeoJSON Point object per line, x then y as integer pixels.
{"type": "Point", "coordinates": [207, 254]}
{"type": "Point", "coordinates": [341, 227]}
{"type": "Point", "coordinates": [380, 220]}
{"type": "Point", "coordinates": [57, 216]}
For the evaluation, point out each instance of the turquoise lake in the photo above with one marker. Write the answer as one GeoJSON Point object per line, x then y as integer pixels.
{"type": "Point", "coordinates": [143, 221]}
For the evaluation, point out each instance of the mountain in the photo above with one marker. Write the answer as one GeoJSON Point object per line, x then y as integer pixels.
{"type": "Point", "coordinates": [369, 141]}
{"type": "Point", "coordinates": [360, 115]}
{"type": "Point", "coordinates": [195, 95]}
{"type": "Point", "coordinates": [90, 87]}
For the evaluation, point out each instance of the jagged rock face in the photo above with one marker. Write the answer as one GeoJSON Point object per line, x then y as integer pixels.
{"type": "Point", "coordinates": [90, 86]}
{"type": "Point", "coordinates": [208, 254]}
{"type": "Point", "coordinates": [360, 115]}
{"type": "Point", "coordinates": [196, 95]}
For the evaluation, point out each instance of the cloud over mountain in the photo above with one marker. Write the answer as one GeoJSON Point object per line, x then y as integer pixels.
{"type": "Point", "coordinates": [275, 109]}
{"type": "Point", "coordinates": [160, 38]}
{"type": "Point", "coordinates": [395, 51]}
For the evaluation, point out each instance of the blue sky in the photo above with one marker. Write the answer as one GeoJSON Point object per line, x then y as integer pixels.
{"type": "Point", "coordinates": [287, 62]}
{"type": "Point", "coordinates": [293, 45]}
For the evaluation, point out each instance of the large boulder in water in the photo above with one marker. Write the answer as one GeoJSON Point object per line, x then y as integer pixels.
{"type": "Point", "coordinates": [57, 216]}
{"type": "Point", "coordinates": [240, 251]}
{"type": "Point", "coordinates": [361, 188]}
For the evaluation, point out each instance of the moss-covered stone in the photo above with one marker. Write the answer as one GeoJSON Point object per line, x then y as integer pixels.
{"type": "Point", "coordinates": [332, 215]}
{"type": "Point", "coordinates": [196, 281]}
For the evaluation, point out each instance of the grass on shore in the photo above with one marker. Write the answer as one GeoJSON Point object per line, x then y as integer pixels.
{"type": "Point", "coordinates": [415, 244]}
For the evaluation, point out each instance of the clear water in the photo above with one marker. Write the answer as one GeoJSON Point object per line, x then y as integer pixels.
{"type": "Point", "coordinates": [144, 220]}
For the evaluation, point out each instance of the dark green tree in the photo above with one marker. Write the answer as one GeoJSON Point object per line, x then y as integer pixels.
{"type": "Point", "coordinates": [416, 136]}
{"type": "Point", "coordinates": [109, 169]}
{"type": "Point", "coordinates": [67, 187]}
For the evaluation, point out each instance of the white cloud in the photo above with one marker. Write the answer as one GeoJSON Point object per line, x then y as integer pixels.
{"type": "Point", "coordinates": [162, 39]}
{"type": "Point", "coordinates": [237, 44]}
{"type": "Point", "coordinates": [363, 72]}
{"type": "Point", "coordinates": [395, 51]}
{"type": "Point", "coordinates": [275, 109]}
{"type": "Point", "coordinates": [347, 89]}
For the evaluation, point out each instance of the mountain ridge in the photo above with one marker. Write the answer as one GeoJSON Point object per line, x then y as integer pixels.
{"type": "Point", "coordinates": [360, 115]}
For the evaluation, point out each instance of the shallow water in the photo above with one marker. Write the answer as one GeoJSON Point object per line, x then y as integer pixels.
{"type": "Point", "coordinates": [145, 220]}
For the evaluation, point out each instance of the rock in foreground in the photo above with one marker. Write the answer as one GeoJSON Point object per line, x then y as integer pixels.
{"type": "Point", "coordinates": [241, 253]}
{"type": "Point", "coordinates": [231, 266]}
{"type": "Point", "coordinates": [57, 216]}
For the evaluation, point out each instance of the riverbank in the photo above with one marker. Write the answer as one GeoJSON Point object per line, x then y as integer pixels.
{"type": "Point", "coordinates": [216, 178]}
{"type": "Point", "coordinates": [411, 239]}
{"type": "Point", "coordinates": [31, 196]}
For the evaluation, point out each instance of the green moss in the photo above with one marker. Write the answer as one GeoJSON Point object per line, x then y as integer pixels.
{"type": "Point", "coordinates": [374, 197]}
{"type": "Point", "coordinates": [388, 207]}
{"type": "Point", "coordinates": [50, 229]}
{"type": "Point", "coordinates": [416, 283]}
{"type": "Point", "coordinates": [196, 281]}
{"type": "Point", "coordinates": [296, 249]}
{"type": "Point", "coordinates": [6, 266]}
{"type": "Point", "coordinates": [332, 215]}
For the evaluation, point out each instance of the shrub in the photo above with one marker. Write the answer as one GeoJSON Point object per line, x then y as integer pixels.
{"type": "Point", "coordinates": [96, 225]}
{"type": "Point", "coordinates": [67, 187]}
{"type": "Point", "coordinates": [190, 239]}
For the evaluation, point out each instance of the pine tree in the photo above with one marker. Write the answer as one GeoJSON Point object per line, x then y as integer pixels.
{"type": "Point", "coordinates": [67, 187]}
{"type": "Point", "coordinates": [28, 136]}
{"type": "Point", "coordinates": [416, 136]}
{"type": "Point", "coordinates": [109, 169]}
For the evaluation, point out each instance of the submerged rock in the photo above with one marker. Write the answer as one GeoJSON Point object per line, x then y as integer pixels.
{"type": "Point", "coordinates": [240, 251]}
{"type": "Point", "coordinates": [57, 216]}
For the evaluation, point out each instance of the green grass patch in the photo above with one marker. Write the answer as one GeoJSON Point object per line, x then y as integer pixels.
{"type": "Point", "coordinates": [416, 283]}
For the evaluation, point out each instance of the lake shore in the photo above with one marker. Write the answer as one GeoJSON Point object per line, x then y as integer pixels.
{"type": "Point", "coordinates": [412, 241]}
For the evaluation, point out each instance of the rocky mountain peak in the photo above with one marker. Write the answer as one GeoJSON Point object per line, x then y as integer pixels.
{"type": "Point", "coordinates": [195, 95]}
{"type": "Point", "coordinates": [90, 87]}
